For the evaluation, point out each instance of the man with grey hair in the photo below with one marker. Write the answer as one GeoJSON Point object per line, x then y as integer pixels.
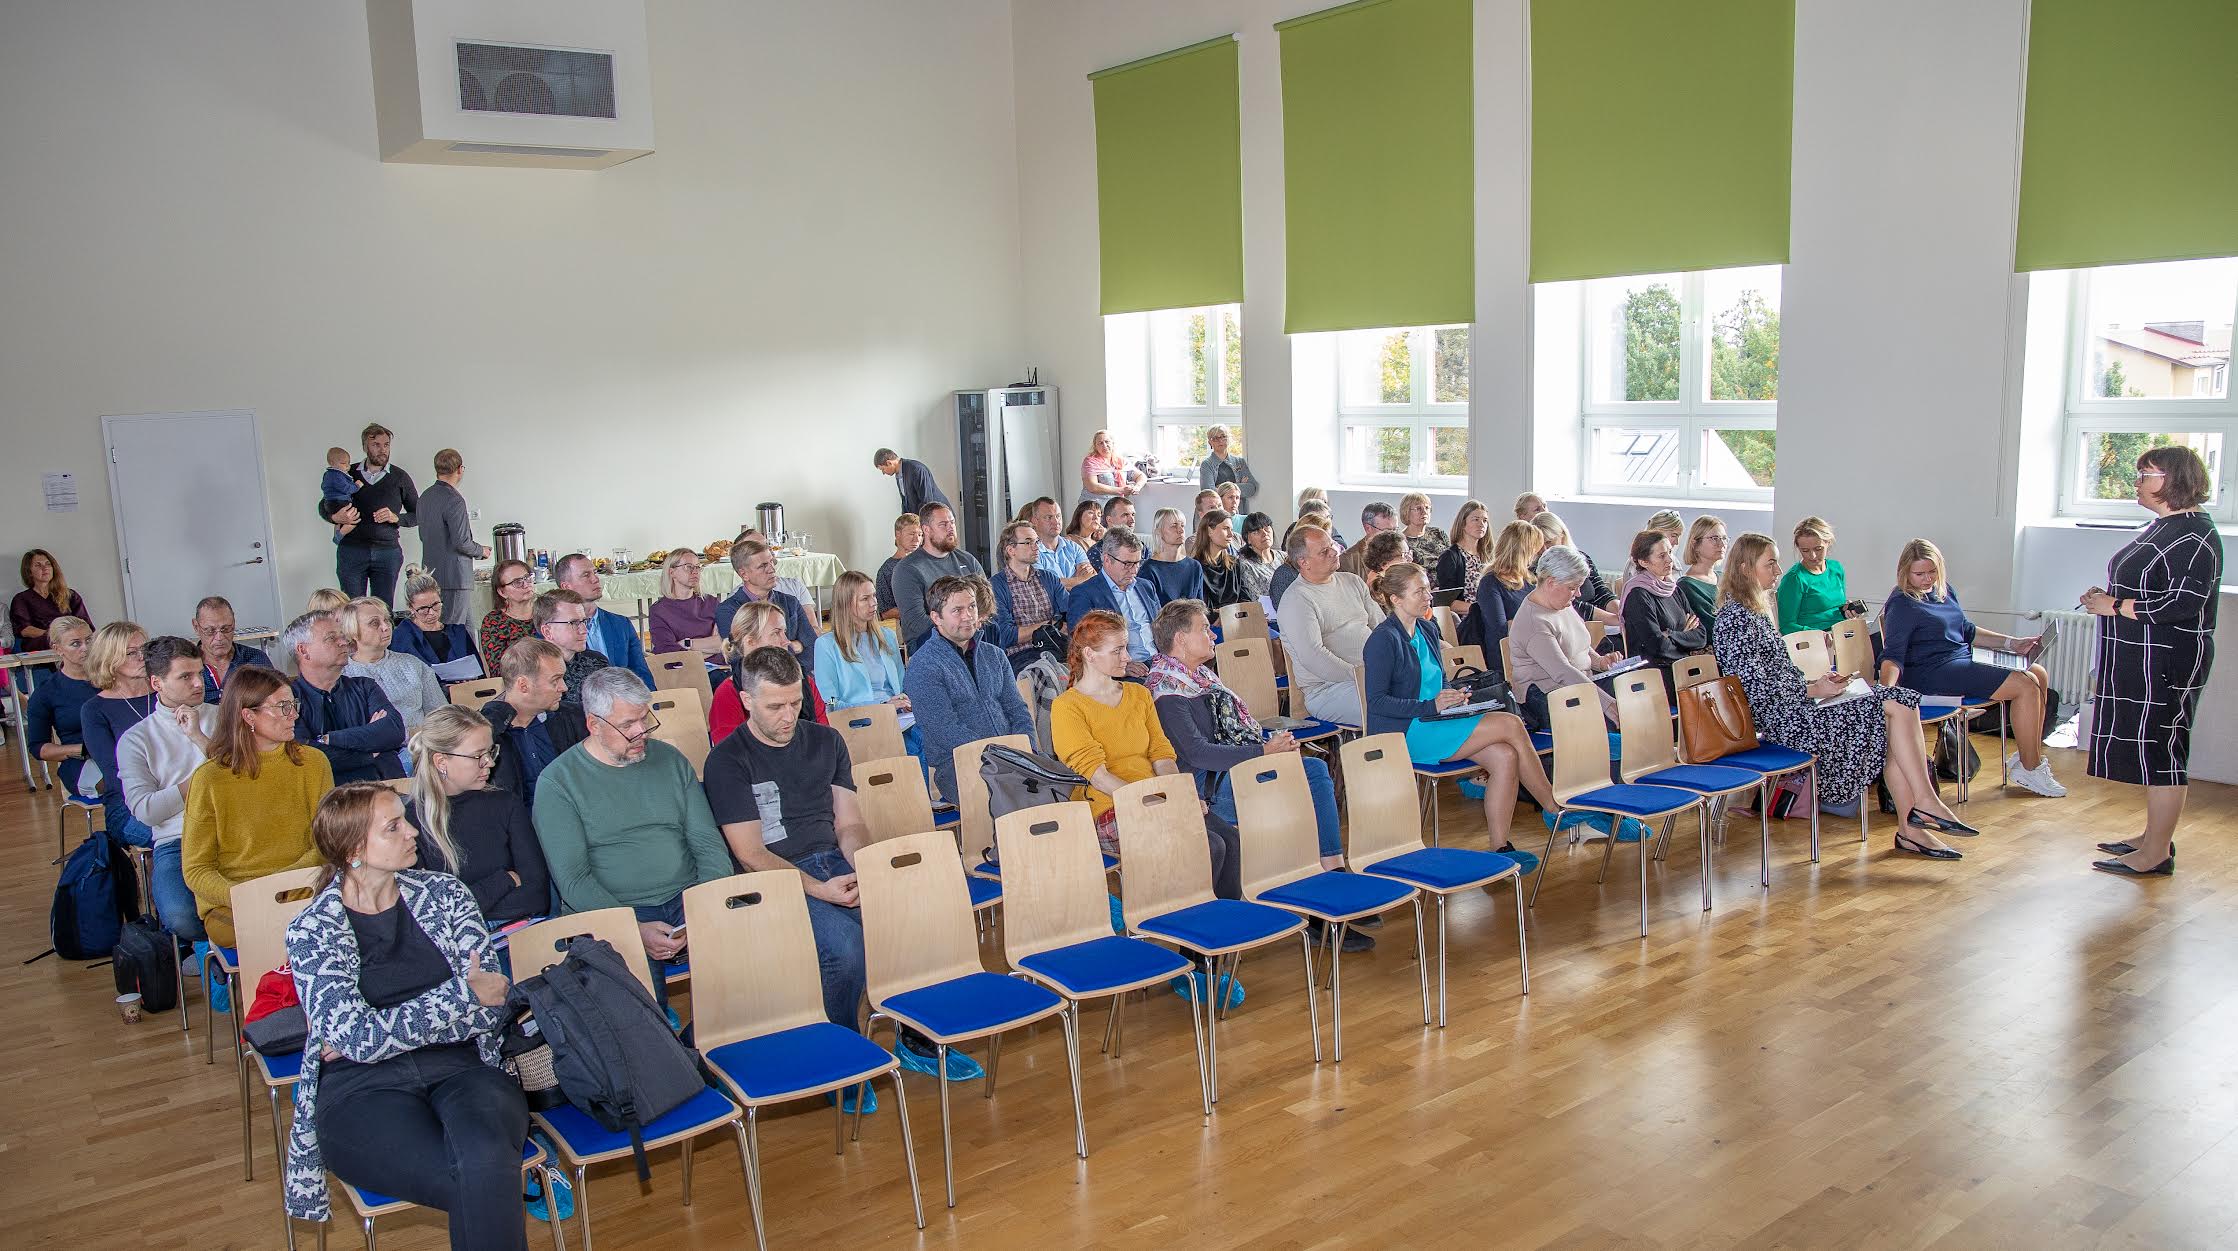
{"type": "Point", "coordinates": [1376, 518]}
{"type": "Point", "coordinates": [623, 821]}
{"type": "Point", "coordinates": [346, 717]}
{"type": "Point", "coordinates": [1326, 617]}
{"type": "Point", "coordinates": [1122, 589]}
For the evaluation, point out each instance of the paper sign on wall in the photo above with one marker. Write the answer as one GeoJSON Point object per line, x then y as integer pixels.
{"type": "Point", "coordinates": [61, 490]}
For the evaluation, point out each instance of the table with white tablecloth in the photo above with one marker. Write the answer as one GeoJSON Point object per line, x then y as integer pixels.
{"type": "Point", "coordinates": [818, 571]}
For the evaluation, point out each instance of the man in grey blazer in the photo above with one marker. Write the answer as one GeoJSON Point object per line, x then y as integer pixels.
{"type": "Point", "coordinates": [447, 545]}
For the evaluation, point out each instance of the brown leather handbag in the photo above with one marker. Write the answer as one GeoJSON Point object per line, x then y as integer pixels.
{"type": "Point", "coordinates": [1714, 721]}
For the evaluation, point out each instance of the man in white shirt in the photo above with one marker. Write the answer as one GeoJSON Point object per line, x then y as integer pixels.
{"type": "Point", "coordinates": [155, 759]}
{"type": "Point", "coordinates": [1327, 616]}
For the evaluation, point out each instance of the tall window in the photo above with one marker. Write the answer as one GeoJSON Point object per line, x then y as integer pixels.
{"type": "Point", "coordinates": [2148, 365]}
{"type": "Point", "coordinates": [1682, 375]}
{"type": "Point", "coordinates": [1403, 404]}
{"type": "Point", "coordinates": [1196, 381]}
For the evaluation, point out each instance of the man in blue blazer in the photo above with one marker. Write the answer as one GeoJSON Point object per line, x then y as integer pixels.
{"type": "Point", "coordinates": [1120, 588]}
{"type": "Point", "coordinates": [610, 634]}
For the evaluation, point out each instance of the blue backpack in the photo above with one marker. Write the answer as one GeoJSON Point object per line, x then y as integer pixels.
{"type": "Point", "coordinates": [98, 892]}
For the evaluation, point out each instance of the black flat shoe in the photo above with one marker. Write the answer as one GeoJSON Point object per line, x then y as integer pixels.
{"type": "Point", "coordinates": [1922, 849]}
{"type": "Point", "coordinates": [1940, 825]}
{"type": "Point", "coordinates": [2166, 868]}
{"type": "Point", "coordinates": [2123, 849]}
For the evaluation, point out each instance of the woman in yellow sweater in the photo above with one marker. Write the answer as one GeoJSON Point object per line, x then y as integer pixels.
{"type": "Point", "coordinates": [249, 807]}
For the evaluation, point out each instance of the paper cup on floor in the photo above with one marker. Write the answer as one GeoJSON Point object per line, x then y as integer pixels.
{"type": "Point", "coordinates": [128, 1006]}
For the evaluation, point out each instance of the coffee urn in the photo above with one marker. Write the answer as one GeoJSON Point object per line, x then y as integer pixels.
{"type": "Point", "coordinates": [769, 518]}
{"type": "Point", "coordinates": [510, 540]}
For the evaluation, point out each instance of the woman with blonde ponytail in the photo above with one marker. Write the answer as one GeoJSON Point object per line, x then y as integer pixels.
{"type": "Point", "coordinates": [481, 835]}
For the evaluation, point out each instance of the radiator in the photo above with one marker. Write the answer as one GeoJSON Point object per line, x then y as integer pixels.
{"type": "Point", "coordinates": [2073, 651]}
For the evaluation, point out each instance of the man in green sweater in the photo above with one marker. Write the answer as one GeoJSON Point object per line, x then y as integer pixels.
{"type": "Point", "coordinates": [623, 821]}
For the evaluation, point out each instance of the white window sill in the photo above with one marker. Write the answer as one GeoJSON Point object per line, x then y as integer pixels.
{"type": "Point", "coordinates": [1652, 503]}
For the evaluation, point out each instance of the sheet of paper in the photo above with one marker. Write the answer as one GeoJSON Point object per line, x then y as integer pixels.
{"type": "Point", "coordinates": [61, 491]}
{"type": "Point", "coordinates": [461, 669]}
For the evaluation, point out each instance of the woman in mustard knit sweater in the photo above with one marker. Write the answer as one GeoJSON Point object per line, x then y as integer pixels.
{"type": "Point", "coordinates": [249, 807]}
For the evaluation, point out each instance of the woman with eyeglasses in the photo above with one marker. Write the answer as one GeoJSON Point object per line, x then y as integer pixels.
{"type": "Point", "coordinates": [249, 807]}
{"type": "Point", "coordinates": [425, 636]}
{"type": "Point", "coordinates": [514, 587]}
{"type": "Point", "coordinates": [115, 664]}
{"type": "Point", "coordinates": [480, 835]}
{"type": "Point", "coordinates": [412, 687]}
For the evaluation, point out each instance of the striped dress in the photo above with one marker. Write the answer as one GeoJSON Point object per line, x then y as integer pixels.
{"type": "Point", "coordinates": [2152, 669]}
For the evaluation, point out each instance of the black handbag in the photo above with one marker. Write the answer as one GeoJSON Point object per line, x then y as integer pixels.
{"type": "Point", "coordinates": [1481, 685]}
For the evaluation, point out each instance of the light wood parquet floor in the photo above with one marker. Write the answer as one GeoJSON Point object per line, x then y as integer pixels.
{"type": "Point", "coordinates": [1878, 1052]}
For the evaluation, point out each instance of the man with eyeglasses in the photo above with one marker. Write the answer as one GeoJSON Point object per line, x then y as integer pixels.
{"type": "Point", "coordinates": [529, 736]}
{"type": "Point", "coordinates": [564, 620]}
{"type": "Point", "coordinates": [960, 686]}
{"type": "Point", "coordinates": [221, 656]}
{"type": "Point", "coordinates": [610, 634]}
{"type": "Point", "coordinates": [1030, 601]}
{"type": "Point", "coordinates": [938, 558]}
{"type": "Point", "coordinates": [1120, 588]}
{"type": "Point", "coordinates": [623, 821]}
{"type": "Point", "coordinates": [346, 717]}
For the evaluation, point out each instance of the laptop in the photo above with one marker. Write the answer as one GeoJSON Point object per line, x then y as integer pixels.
{"type": "Point", "coordinates": [2000, 659]}
{"type": "Point", "coordinates": [1443, 597]}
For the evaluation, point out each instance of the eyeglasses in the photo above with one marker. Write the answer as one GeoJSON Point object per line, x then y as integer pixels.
{"type": "Point", "coordinates": [486, 757]}
{"type": "Point", "coordinates": [652, 723]}
{"type": "Point", "coordinates": [569, 622]}
{"type": "Point", "coordinates": [421, 609]}
{"type": "Point", "coordinates": [285, 707]}
{"type": "Point", "coordinates": [212, 632]}
{"type": "Point", "coordinates": [1110, 561]}
{"type": "Point", "coordinates": [510, 583]}
{"type": "Point", "coordinates": [2152, 473]}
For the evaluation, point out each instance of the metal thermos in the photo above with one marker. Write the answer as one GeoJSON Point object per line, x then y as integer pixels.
{"type": "Point", "coordinates": [510, 540]}
{"type": "Point", "coordinates": [769, 518]}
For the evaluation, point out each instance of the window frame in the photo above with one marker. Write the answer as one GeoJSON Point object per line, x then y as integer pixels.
{"type": "Point", "coordinates": [1211, 413]}
{"type": "Point", "coordinates": [1689, 417]}
{"type": "Point", "coordinates": [1419, 415]}
{"type": "Point", "coordinates": [2084, 415]}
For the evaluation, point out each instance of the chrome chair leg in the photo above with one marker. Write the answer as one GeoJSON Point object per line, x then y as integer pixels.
{"type": "Point", "coordinates": [1196, 1026]}
{"type": "Point", "coordinates": [1539, 879]}
{"type": "Point", "coordinates": [685, 1147]}
{"type": "Point", "coordinates": [749, 1151]}
{"type": "Point", "coordinates": [1764, 831]}
{"type": "Point", "coordinates": [1336, 988]}
{"type": "Point", "coordinates": [1422, 961]}
{"type": "Point", "coordinates": [1070, 1020]}
{"type": "Point", "coordinates": [947, 1144]}
{"type": "Point", "coordinates": [1313, 993]}
{"type": "Point", "coordinates": [1522, 939]}
{"type": "Point", "coordinates": [583, 1203]}
{"type": "Point", "coordinates": [554, 1224]}
{"type": "Point", "coordinates": [1212, 998]}
{"type": "Point", "coordinates": [1441, 951]}
{"type": "Point", "coordinates": [1811, 775]}
{"type": "Point", "coordinates": [1705, 818]}
{"type": "Point", "coordinates": [994, 1064]}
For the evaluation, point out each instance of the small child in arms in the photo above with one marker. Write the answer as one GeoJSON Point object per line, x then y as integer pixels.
{"type": "Point", "coordinates": [336, 489]}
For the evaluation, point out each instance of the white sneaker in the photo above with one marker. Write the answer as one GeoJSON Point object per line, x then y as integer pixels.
{"type": "Point", "coordinates": [2039, 781]}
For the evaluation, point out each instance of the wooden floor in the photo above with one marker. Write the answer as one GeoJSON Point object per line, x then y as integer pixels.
{"type": "Point", "coordinates": [2011, 1051]}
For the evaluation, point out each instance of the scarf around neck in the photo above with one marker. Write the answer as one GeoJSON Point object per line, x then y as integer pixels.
{"type": "Point", "coordinates": [1641, 579]}
{"type": "Point", "coordinates": [1231, 720]}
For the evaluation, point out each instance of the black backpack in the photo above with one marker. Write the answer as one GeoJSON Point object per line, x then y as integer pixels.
{"type": "Point", "coordinates": [95, 896]}
{"type": "Point", "coordinates": [611, 1047]}
{"type": "Point", "coordinates": [147, 961]}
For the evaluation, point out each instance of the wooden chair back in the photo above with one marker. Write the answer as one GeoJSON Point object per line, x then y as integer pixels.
{"type": "Point", "coordinates": [754, 968]}
{"type": "Point", "coordinates": [1507, 660]}
{"type": "Point", "coordinates": [1595, 631]}
{"type": "Point", "coordinates": [1449, 626]}
{"type": "Point", "coordinates": [893, 798]}
{"type": "Point", "coordinates": [1807, 648]}
{"type": "Point", "coordinates": [1359, 692]}
{"type": "Point", "coordinates": [1246, 620]}
{"type": "Point", "coordinates": [476, 693]}
{"type": "Point", "coordinates": [1853, 647]}
{"type": "Point", "coordinates": [535, 948]}
{"type": "Point", "coordinates": [1274, 814]}
{"type": "Point", "coordinates": [1643, 723]}
{"type": "Point", "coordinates": [1247, 667]}
{"type": "Point", "coordinates": [1688, 671]}
{"type": "Point", "coordinates": [402, 786]}
{"type": "Point", "coordinates": [917, 922]}
{"type": "Point", "coordinates": [1053, 888]}
{"type": "Point", "coordinates": [975, 826]}
{"type": "Point", "coordinates": [1460, 655]}
{"type": "Point", "coordinates": [679, 670]}
{"type": "Point", "coordinates": [1581, 740]}
{"type": "Point", "coordinates": [1380, 798]}
{"type": "Point", "coordinates": [262, 908]}
{"type": "Point", "coordinates": [871, 731]}
{"type": "Point", "coordinates": [1168, 864]}
{"type": "Point", "coordinates": [1033, 713]}
{"type": "Point", "coordinates": [683, 724]}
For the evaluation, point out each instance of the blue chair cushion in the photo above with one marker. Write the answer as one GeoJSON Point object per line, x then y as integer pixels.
{"type": "Point", "coordinates": [575, 1129]}
{"type": "Point", "coordinates": [1446, 768]}
{"type": "Point", "coordinates": [1542, 742]}
{"type": "Point", "coordinates": [1315, 729]}
{"type": "Point", "coordinates": [1221, 924]}
{"type": "Point", "coordinates": [1708, 779]}
{"type": "Point", "coordinates": [280, 1069]}
{"type": "Point", "coordinates": [947, 819]}
{"type": "Point", "coordinates": [230, 957]}
{"type": "Point", "coordinates": [1638, 801]}
{"type": "Point", "coordinates": [1338, 896]}
{"type": "Point", "coordinates": [976, 1003]}
{"type": "Point", "coordinates": [983, 891]}
{"type": "Point", "coordinates": [375, 1199]}
{"type": "Point", "coordinates": [1100, 964]}
{"type": "Point", "coordinates": [1766, 758]}
{"type": "Point", "coordinates": [1445, 868]}
{"type": "Point", "coordinates": [993, 868]}
{"type": "Point", "coordinates": [802, 1058]}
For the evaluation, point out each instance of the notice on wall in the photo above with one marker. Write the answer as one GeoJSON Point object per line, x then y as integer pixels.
{"type": "Point", "coordinates": [61, 491]}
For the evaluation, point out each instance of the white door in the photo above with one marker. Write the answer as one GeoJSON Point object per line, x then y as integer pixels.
{"type": "Point", "coordinates": [188, 490]}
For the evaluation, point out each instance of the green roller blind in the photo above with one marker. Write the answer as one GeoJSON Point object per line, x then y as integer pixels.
{"type": "Point", "coordinates": [1378, 166]}
{"type": "Point", "coordinates": [2130, 151]}
{"type": "Point", "coordinates": [1660, 135]}
{"type": "Point", "coordinates": [1169, 180]}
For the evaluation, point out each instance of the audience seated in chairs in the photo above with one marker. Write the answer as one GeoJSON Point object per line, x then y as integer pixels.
{"type": "Point", "coordinates": [1548, 647]}
{"type": "Point", "coordinates": [345, 716]}
{"type": "Point", "coordinates": [1461, 566]}
{"type": "Point", "coordinates": [513, 617]}
{"type": "Point", "coordinates": [909, 533]}
{"type": "Point", "coordinates": [683, 619]}
{"type": "Point", "coordinates": [1701, 555]}
{"type": "Point", "coordinates": [156, 760]}
{"type": "Point", "coordinates": [564, 621]}
{"type": "Point", "coordinates": [1376, 518]}
{"type": "Point", "coordinates": [249, 806]}
{"type": "Point", "coordinates": [754, 627]}
{"type": "Point", "coordinates": [1928, 644]}
{"type": "Point", "coordinates": [1594, 602]}
{"type": "Point", "coordinates": [1853, 741]}
{"type": "Point", "coordinates": [610, 634]}
{"type": "Point", "coordinates": [412, 688]}
{"type": "Point", "coordinates": [1031, 602]}
{"type": "Point", "coordinates": [1425, 542]}
{"type": "Point", "coordinates": [1055, 552]}
{"type": "Point", "coordinates": [115, 666]}
{"type": "Point", "coordinates": [478, 833]}
{"type": "Point", "coordinates": [1326, 618]}
{"type": "Point", "coordinates": [938, 558]}
{"type": "Point", "coordinates": [1528, 505]}
{"type": "Point", "coordinates": [1668, 523]}
{"type": "Point", "coordinates": [1256, 557]}
{"type": "Point", "coordinates": [51, 716]}
{"type": "Point", "coordinates": [1166, 564]}
{"type": "Point", "coordinates": [1118, 514]}
{"type": "Point", "coordinates": [530, 728]}
{"type": "Point", "coordinates": [1122, 590]}
{"type": "Point", "coordinates": [1407, 695]}
{"type": "Point", "coordinates": [1507, 580]}
{"type": "Point", "coordinates": [1231, 499]}
{"type": "Point", "coordinates": [857, 660]}
{"type": "Point", "coordinates": [1086, 528]}
{"type": "Point", "coordinates": [756, 564]}
{"type": "Point", "coordinates": [1220, 570]}
{"type": "Point", "coordinates": [402, 1092]}
{"type": "Point", "coordinates": [1814, 593]}
{"type": "Point", "coordinates": [1657, 623]}
{"type": "Point", "coordinates": [961, 688]}
{"type": "Point", "coordinates": [623, 820]}
{"type": "Point", "coordinates": [1285, 572]}
{"type": "Point", "coordinates": [424, 634]}
{"type": "Point", "coordinates": [213, 629]}
{"type": "Point", "coordinates": [1212, 732]}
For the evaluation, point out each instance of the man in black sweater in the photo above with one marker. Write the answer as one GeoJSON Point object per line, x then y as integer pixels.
{"type": "Point", "coordinates": [367, 556]}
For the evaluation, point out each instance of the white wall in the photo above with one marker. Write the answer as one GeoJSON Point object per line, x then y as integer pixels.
{"type": "Point", "coordinates": [824, 245]}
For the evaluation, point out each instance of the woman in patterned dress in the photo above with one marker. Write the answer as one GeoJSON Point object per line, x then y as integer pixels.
{"type": "Point", "coordinates": [1854, 740]}
{"type": "Point", "coordinates": [2154, 651]}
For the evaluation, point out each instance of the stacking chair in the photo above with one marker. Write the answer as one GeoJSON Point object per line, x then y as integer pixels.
{"type": "Point", "coordinates": [871, 732]}
{"type": "Point", "coordinates": [475, 693]}
{"type": "Point", "coordinates": [923, 961]}
{"type": "Point", "coordinates": [975, 827]}
{"type": "Point", "coordinates": [1246, 667]}
{"type": "Point", "coordinates": [1242, 621]}
{"type": "Point", "coordinates": [1649, 757]}
{"type": "Point", "coordinates": [1807, 648]}
{"type": "Point", "coordinates": [1033, 713]}
{"type": "Point", "coordinates": [1462, 655]}
{"type": "Point", "coordinates": [1166, 886]}
{"type": "Point", "coordinates": [1282, 866]}
{"type": "Point", "coordinates": [1449, 626]}
{"type": "Point", "coordinates": [683, 724]}
{"type": "Point", "coordinates": [582, 1141]}
{"type": "Point", "coordinates": [1056, 923]}
{"type": "Point", "coordinates": [87, 811]}
{"type": "Point", "coordinates": [262, 908]}
{"type": "Point", "coordinates": [370, 1205]}
{"type": "Point", "coordinates": [1692, 671]}
{"type": "Point", "coordinates": [674, 671]}
{"type": "Point", "coordinates": [895, 802]}
{"type": "Point", "coordinates": [1377, 781]}
{"type": "Point", "coordinates": [758, 1015]}
{"type": "Point", "coordinates": [1581, 780]}
{"type": "Point", "coordinates": [1769, 759]}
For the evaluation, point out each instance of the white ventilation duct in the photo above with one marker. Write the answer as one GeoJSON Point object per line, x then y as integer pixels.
{"type": "Point", "coordinates": [557, 84]}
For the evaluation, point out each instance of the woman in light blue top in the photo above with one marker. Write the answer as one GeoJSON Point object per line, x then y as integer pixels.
{"type": "Point", "coordinates": [857, 662]}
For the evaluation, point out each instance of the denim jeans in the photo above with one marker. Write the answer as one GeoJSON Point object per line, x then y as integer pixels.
{"type": "Point", "coordinates": [370, 571]}
{"type": "Point", "coordinates": [436, 1127]}
{"type": "Point", "coordinates": [839, 939]}
{"type": "Point", "coordinates": [1324, 805]}
{"type": "Point", "coordinates": [670, 914]}
{"type": "Point", "coordinates": [174, 903]}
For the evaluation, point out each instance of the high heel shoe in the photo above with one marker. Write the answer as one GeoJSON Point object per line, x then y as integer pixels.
{"type": "Point", "coordinates": [2123, 849]}
{"type": "Point", "coordinates": [2166, 868]}
{"type": "Point", "coordinates": [1939, 825]}
{"type": "Point", "coordinates": [1932, 853]}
